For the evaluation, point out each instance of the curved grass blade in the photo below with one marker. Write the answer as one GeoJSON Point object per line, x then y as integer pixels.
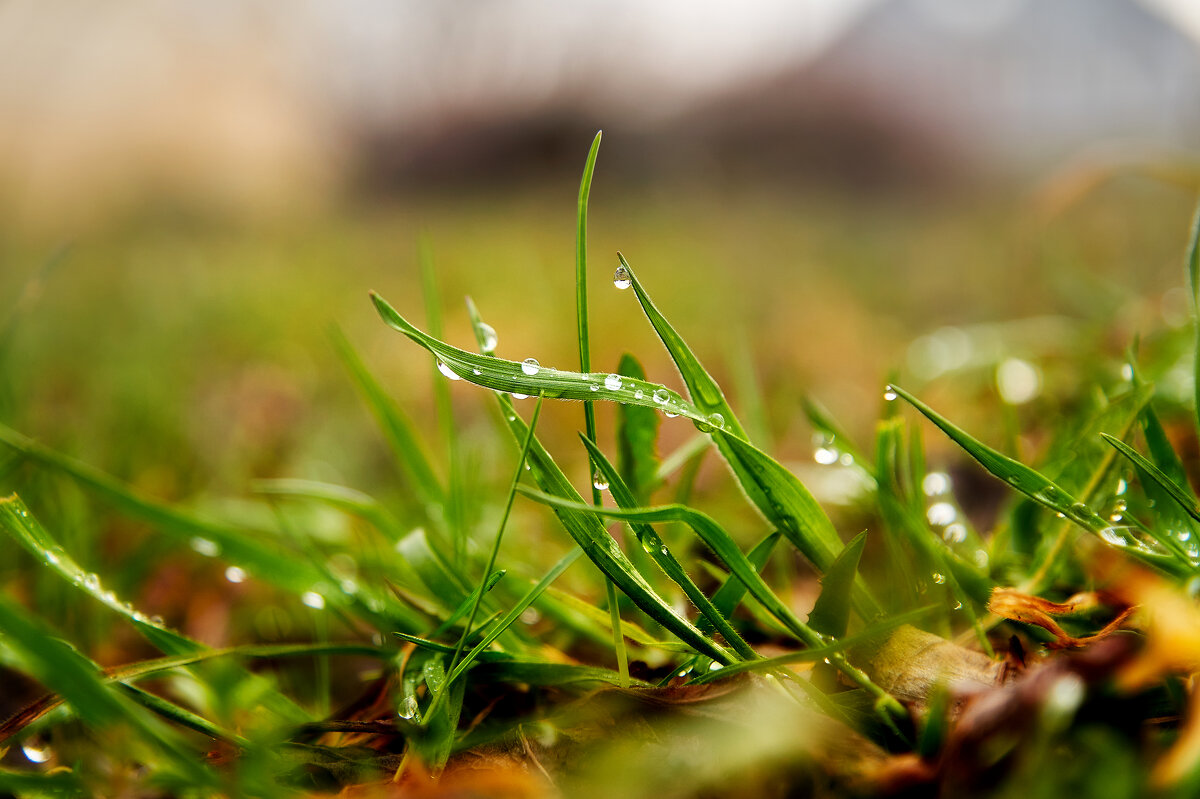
{"type": "Point", "coordinates": [1041, 489]}
{"type": "Point", "coordinates": [543, 674]}
{"type": "Point", "coordinates": [399, 431]}
{"type": "Point", "coordinates": [602, 621]}
{"type": "Point", "coordinates": [720, 542]}
{"type": "Point", "coordinates": [831, 613]}
{"type": "Point", "coordinates": [27, 783]}
{"type": "Point", "coordinates": [509, 376]}
{"type": "Point", "coordinates": [729, 595]}
{"type": "Point", "coordinates": [661, 555]}
{"type": "Point", "coordinates": [1183, 498]}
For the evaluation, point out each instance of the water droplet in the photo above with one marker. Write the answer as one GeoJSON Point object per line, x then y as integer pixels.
{"type": "Point", "coordinates": [1116, 517]}
{"type": "Point", "coordinates": [941, 514]}
{"type": "Point", "coordinates": [487, 337]}
{"type": "Point", "coordinates": [1060, 515]}
{"type": "Point", "coordinates": [957, 606]}
{"type": "Point", "coordinates": [669, 414]}
{"type": "Point", "coordinates": [35, 751]}
{"type": "Point", "coordinates": [621, 278]}
{"type": "Point", "coordinates": [447, 371]}
{"type": "Point", "coordinates": [939, 578]}
{"type": "Point", "coordinates": [1120, 505]}
{"type": "Point", "coordinates": [157, 621]}
{"type": "Point", "coordinates": [235, 574]}
{"type": "Point", "coordinates": [663, 549]}
{"type": "Point", "coordinates": [1018, 381]}
{"type": "Point", "coordinates": [715, 666]}
{"type": "Point", "coordinates": [1184, 535]}
{"type": "Point", "coordinates": [599, 483]}
{"type": "Point", "coordinates": [377, 639]}
{"type": "Point", "coordinates": [826, 456]}
{"type": "Point", "coordinates": [847, 459]}
{"type": "Point", "coordinates": [348, 586]}
{"type": "Point", "coordinates": [1122, 486]}
{"type": "Point", "coordinates": [661, 396]}
{"type": "Point", "coordinates": [936, 484]}
{"type": "Point", "coordinates": [476, 372]}
{"type": "Point", "coordinates": [1127, 371]}
{"type": "Point", "coordinates": [52, 558]}
{"type": "Point", "coordinates": [889, 394]}
{"type": "Point", "coordinates": [717, 421]}
{"type": "Point", "coordinates": [512, 417]}
{"type": "Point", "coordinates": [531, 616]}
{"type": "Point", "coordinates": [408, 708]}
{"type": "Point", "coordinates": [639, 394]}
{"type": "Point", "coordinates": [528, 468]}
{"type": "Point", "coordinates": [612, 382]}
{"type": "Point", "coordinates": [530, 366]}
{"type": "Point", "coordinates": [205, 547]}
{"type": "Point", "coordinates": [313, 600]}
{"type": "Point", "coordinates": [594, 386]}
{"type": "Point", "coordinates": [955, 533]}
{"type": "Point", "coordinates": [515, 395]}
{"type": "Point", "coordinates": [1012, 479]}
{"type": "Point", "coordinates": [1114, 536]}
{"type": "Point", "coordinates": [981, 559]}
{"type": "Point", "coordinates": [91, 581]}
{"type": "Point", "coordinates": [827, 661]}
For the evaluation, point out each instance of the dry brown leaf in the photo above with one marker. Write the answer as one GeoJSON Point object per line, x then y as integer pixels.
{"type": "Point", "coordinates": [1012, 604]}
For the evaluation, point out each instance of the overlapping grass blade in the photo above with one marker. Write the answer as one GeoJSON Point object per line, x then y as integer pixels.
{"type": "Point", "coordinates": [1178, 497]}
{"type": "Point", "coordinates": [509, 376]}
{"type": "Point", "coordinates": [545, 674]}
{"type": "Point", "coordinates": [653, 546]}
{"type": "Point", "coordinates": [64, 670]}
{"type": "Point", "coordinates": [261, 552]}
{"type": "Point", "coordinates": [27, 783]}
{"type": "Point", "coordinates": [637, 438]}
{"type": "Point", "coordinates": [399, 431]}
{"type": "Point", "coordinates": [726, 598]}
{"type": "Point", "coordinates": [1039, 488]}
{"type": "Point", "coordinates": [831, 613]}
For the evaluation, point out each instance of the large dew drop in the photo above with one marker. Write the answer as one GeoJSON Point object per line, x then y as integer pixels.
{"type": "Point", "coordinates": [599, 482]}
{"type": "Point", "coordinates": [889, 394]}
{"type": "Point", "coordinates": [447, 371]}
{"type": "Point", "coordinates": [621, 278]}
{"type": "Point", "coordinates": [488, 340]}
{"type": "Point", "coordinates": [530, 366]}
{"type": "Point", "coordinates": [612, 382]}
{"type": "Point", "coordinates": [661, 396]}
{"type": "Point", "coordinates": [313, 600]}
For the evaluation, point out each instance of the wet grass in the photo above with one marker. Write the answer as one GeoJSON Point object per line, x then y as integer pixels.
{"type": "Point", "coordinates": [947, 597]}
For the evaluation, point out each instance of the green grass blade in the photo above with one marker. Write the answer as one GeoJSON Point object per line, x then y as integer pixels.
{"type": "Point", "coordinates": [259, 552]}
{"type": "Point", "coordinates": [729, 595]}
{"type": "Point", "coordinates": [637, 439]}
{"type": "Point", "coordinates": [661, 555]}
{"type": "Point", "coordinates": [64, 670]}
{"type": "Point", "coordinates": [28, 783]}
{"type": "Point", "coordinates": [1182, 497]}
{"type": "Point", "coordinates": [181, 716]}
{"type": "Point", "coordinates": [344, 499]}
{"type": "Point", "coordinates": [581, 297]}
{"type": "Point", "coordinates": [509, 376]}
{"type": "Point", "coordinates": [717, 539]}
{"type": "Point", "coordinates": [589, 533]}
{"type": "Point", "coordinates": [831, 613]}
{"type": "Point", "coordinates": [794, 511]}
{"type": "Point", "coordinates": [1039, 488]}
{"type": "Point", "coordinates": [556, 675]}
{"type": "Point", "coordinates": [399, 431]}
{"type": "Point", "coordinates": [1193, 272]}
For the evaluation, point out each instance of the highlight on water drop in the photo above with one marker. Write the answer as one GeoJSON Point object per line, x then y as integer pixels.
{"type": "Point", "coordinates": [612, 382]}
{"type": "Point", "coordinates": [621, 278]}
{"type": "Point", "coordinates": [530, 366]}
{"type": "Point", "coordinates": [447, 371]}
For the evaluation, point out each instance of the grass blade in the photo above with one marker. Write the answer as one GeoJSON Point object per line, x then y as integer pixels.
{"type": "Point", "coordinates": [399, 431]}
{"type": "Point", "coordinates": [509, 376]}
{"type": "Point", "coordinates": [1193, 272]}
{"type": "Point", "coordinates": [345, 499]}
{"type": "Point", "coordinates": [661, 555]}
{"type": "Point", "coordinates": [1039, 488]}
{"type": "Point", "coordinates": [831, 614]}
{"type": "Point", "coordinates": [637, 439]}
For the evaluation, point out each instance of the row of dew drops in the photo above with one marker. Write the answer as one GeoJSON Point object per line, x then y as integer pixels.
{"type": "Point", "coordinates": [612, 382]}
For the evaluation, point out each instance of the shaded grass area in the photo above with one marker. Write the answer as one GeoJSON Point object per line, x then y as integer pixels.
{"type": "Point", "coordinates": [347, 626]}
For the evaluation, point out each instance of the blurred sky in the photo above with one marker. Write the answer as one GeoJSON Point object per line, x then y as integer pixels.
{"type": "Point", "coordinates": [261, 103]}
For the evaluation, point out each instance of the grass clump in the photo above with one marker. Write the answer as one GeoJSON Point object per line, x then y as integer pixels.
{"type": "Point", "coordinates": [936, 653]}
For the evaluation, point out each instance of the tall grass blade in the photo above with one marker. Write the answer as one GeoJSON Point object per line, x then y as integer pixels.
{"type": "Point", "coordinates": [1193, 271]}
